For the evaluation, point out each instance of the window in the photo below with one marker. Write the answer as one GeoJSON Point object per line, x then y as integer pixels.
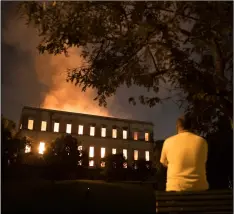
{"type": "Point", "coordinates": [125, 153]}
{"type": "Point", "coordinates": [56, 127]}
{"type": "Point", "coordinates": [91, 163]}
{"type": "Point", "coordinates": [80, 129]}
{"type": "Point", "coordinates": [92, 130]}
{"type": "Point", "coordinates": [91, 151]}
{"type": "Point", "coordinates": [125, 133]}
{"type": "Point", "coordinates": [79, 162]}
{"type": "Point", "coordinates": [30, 124]}
{"type": "Point", "coordinates": [103, 164]}
{"type": "Point", "coordinates": [146, 136]}
{"type": "Point", "coordinates": [113, 151]}
{"type": "Point", "coordinates": [21, 126]}
{"type": "Point", "coordinates": [135, 135]}
{"type": "Point", "coordinates": [103, 151]}
{"type": "Point", "coordinates": [41, 148]}
{"type": "Point", "coordinates": [43, 125]}
{"type": "Point", "coordinates": [114, 133]}
{"type": "Point", "coordinates": [68, 128]}
{"type": "Point", "coordinates": [125, 165]}
{"type": "Point", "coordinates": [27, 149]}
{"type": "Point", "coordinates": [147, 157]}
{"type": "Point", "coordinates": [135, 155]}
{"type": "Point", "coordinates": [80, 150]}
{"type": "Point", "coordinates": [103, 132]}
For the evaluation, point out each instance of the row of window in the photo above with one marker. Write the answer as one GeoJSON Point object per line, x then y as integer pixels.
{"type": "Point", "coordinates": [41, 150]}
{"type": "Point", "coordinates": [91, 130]}
{"type": "Point", "coordinates": [114, 151]}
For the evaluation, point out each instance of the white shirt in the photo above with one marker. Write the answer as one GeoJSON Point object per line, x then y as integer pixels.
{"type": "Point", "coordinates": [185, 156]}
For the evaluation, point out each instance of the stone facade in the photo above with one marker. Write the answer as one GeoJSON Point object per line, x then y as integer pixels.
{"type": "Point", "coordinates": [34, 120]}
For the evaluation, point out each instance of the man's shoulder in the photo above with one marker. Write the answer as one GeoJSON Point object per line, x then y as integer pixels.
{"type": "Point", "coordinates": [171, 138]}
{"type": "Point", "coordinates": [198, 137]}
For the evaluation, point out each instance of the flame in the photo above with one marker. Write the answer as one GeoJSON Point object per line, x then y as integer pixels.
{"type": "Point", "coordinates": [62, 95]}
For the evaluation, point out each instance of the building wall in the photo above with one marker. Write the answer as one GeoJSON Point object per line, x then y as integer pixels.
{"type": "Point", "coordinates": [64, 118]}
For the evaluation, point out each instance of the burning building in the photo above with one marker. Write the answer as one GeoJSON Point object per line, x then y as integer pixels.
{"type": "Point", "coordinates": [98, 135]}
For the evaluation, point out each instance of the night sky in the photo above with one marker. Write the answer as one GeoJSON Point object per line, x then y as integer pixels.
{"type": "Point", "coordinates": [25, 83]}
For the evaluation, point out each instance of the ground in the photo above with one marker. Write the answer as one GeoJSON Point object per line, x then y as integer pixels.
{"type": "Point", "coordinates": [83, 196]}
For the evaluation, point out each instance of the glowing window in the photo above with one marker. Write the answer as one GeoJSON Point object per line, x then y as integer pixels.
{"type": "Point", "coordinates": [125, 133]}
{"type": "Point", "coordinates": [68, 128]}
{"type": "Point", "coordinates": [91, 151]}
{"type": "Point", "coordinates": [30, 124]}
{"type": "Point", "coordinates": [147, 157]}
{"type": "Point", "coordinates": [135, 136]}
{"type": "Point", "coordinates": [103, 132]}
{"type": "Point", "coordinates": [27, 149]}
{"type": "Point", "coordinates": [113, 151]}
{"type": "Point", "coordinates": [103, 151]}
{"type": "Point", "coordinates": [135, 155]}
{"type": "Point", "coordinates": [41, 148]}
{"type": "Point", "coordinates": [146, 136]}
{"type": "Point", "coordinates": [92, 130]}
{"type": "Point", "coordinates": [56, 127]}
{"type": "Point", "coordinates": [79, 162]}
{"type": "Point", "coordinates": [125, 153]}
{"type": "Point", "coordinates": [80, 129]}
{"type": "Point", "coordinates": [43, 125]}
{"type": "Point", "coordinates": [102, 164]}
{"type": "Point", "coordinates": [114, 133]}
{"type": "Point", "coordinates": [91, 163]}
{"type": "Point", "coordinates": [20, 126]}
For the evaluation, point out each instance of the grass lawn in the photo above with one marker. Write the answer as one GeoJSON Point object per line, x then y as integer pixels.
{"type": "Point", "coordinates": [81, 196]}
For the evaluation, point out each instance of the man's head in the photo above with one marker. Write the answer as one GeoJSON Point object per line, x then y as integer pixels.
{"type": "Point", "coordinates": [184, 123]}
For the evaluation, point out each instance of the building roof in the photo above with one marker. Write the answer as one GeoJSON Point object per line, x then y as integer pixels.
{"type": "Point", "coordinates": [96, 116]}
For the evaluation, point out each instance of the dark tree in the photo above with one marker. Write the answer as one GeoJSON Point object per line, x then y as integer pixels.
{"type": "Point", "coordinates": [186, 46]}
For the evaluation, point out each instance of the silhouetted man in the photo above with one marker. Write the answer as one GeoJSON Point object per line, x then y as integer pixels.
{"type": "Point", "coordinates": [185, 156]}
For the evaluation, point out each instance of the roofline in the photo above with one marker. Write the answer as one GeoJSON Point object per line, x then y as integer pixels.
{"type": "Point", "coordinates": [102, 117]}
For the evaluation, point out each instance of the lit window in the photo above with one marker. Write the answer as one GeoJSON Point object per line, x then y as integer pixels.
{"type": "Point", "coordinates": [91, 163]}
{"type": "Point", "coordinates": [125, 153]}
{"type": "Point", "coordinates": [91, 151]}
{"type": "Point", "coordinates": [102, 164]}
{"type": "Point", "coordinates": [103, 132]}
{"type": "Point", "coordinates": [114, 133]}
{"type": "Point", "coordinates": [41, 148]}
{"type": "Point", "coordinates": [125, 165]}
{"type": "Point", "coordinates": [113, 151]}
{"type": "Point", "coordinates": [43, 125]}
{"type": "Point", "coordinates": [146, 136]}
{"type": "Point", "coordinates": [80, 150]}
{"type": "Point", "coordinates": [125, 133]}
{"type": "Point", "coordinates": [147, 157]}
{"type": "Point", "coordinates": [79, 162]}
{"type": "Point", "coordinates": [68, 128]}
{"type": "Point", "coordinates": [135, 136]}
{"type": "Point", "coordinates": [103, 151]}
{"type": "Point", "coordinates": [20, 126]}
{"type": "Point", "coordinates": [80, 129]}
{"type": "Point", "coordinates": [92, 130]}
{"type": "Point", "coordinates": [135, 155]}
{"type": "Point", "coordinates": [27, 149]}
{"type": "Point", "coordinates": [30, 124]}
{"type": "Point", "coordinates": [56, 127]}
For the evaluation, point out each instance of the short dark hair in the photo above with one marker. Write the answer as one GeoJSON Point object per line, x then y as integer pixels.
{"type": "Point", "coordinates": [185, 122]}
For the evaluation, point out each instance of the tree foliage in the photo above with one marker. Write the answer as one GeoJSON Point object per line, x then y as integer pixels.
{"type": "Point", "coordinates": [185, 45]}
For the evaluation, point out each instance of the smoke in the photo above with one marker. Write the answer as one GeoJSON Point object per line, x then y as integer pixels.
{"type": "Point", "coordinates": [51, 72]}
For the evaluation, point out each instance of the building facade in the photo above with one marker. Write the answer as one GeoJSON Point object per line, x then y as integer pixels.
{"type": "Point", "coordinates": [99, 136]}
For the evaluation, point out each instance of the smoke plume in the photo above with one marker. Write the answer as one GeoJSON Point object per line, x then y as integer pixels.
{"type": "Point", "coordinates": [51, 72]}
